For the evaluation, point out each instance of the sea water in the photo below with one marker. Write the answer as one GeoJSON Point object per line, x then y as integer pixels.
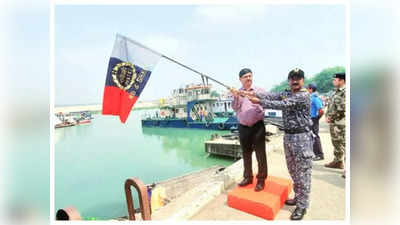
{"type": "Point", "coordinates": [93, 161]}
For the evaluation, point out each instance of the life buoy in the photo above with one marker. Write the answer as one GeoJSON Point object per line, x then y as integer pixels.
{"type": "Point", "coordinates": [221, 126]}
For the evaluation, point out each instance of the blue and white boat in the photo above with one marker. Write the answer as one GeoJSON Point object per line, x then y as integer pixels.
{"type": "Point", "coordinates": [191, 107]}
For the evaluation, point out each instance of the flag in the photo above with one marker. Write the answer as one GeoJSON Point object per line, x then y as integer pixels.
{"type": "Point", "coordinates": [128, 71]}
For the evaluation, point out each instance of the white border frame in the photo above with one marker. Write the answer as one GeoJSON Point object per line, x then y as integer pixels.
{"type": "Point", "coordinates": [348, 86]}
{"type": "Point", "coordinates": [53, 3]}
{"type": "Point", "coordinates": [198, 2]}
{"type": "Point", "coordinates": [52, 111]}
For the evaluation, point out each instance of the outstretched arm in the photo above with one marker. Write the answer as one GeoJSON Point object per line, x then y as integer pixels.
{"type": "Point", "coordinates": [261, 94]}
{"type": "Point", "coordinates": [287, 103]}
{"type": "Point", "coordinates": [272, 96]}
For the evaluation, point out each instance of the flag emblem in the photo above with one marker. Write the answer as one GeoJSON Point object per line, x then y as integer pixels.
{"type": "Point", "coordinates": [124, 75]}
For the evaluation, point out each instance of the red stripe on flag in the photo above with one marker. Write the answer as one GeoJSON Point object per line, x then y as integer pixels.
{"type": "Point", "coordinates": [127, 102]}
{"type": "Point", "coordinates": [117, 102]}
{"type": "Point", "coordinates": [111, 100]}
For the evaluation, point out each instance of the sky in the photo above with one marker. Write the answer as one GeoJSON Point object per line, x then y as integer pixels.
{"type": "Point", "coordinates": [216, 40]}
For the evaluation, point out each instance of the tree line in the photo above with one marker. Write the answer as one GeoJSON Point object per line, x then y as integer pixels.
{"type": "Point", "coordinates": [323, 80]}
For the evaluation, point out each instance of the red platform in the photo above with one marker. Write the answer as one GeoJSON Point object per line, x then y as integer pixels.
{"type": "Point", "coordinates": [266, 203]}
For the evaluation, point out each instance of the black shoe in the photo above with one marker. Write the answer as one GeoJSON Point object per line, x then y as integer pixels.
{"type": "Point", "coordinates": [318, 158]}
{"type": "Point", "coordinates": [246, 181]}
{"type": "Point", "coordinates": [260, 185]}
{"type": "Point", "coordinates": [290, 202]}
{"type": "Point", "coordinates": [298, 214]}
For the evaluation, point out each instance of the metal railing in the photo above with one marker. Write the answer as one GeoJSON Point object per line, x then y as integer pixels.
{"type": "Point", "coordinates": [143, 198]}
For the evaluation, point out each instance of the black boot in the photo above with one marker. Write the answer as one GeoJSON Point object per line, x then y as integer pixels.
{"type": "Point", "coordinates": [290, 202]}
{"type": "Point", "coordinates": [298, 213]}
{"type": "Point", "coordinates": [246, 181]}
{"type": "Point", "coordinates": [260, 185]}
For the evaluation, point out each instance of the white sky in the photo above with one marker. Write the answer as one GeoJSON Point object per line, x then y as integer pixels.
{"type": "Point", "coordinates": [215, 40]}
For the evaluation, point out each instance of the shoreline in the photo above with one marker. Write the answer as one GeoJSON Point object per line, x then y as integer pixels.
{"type": "Point", "coordinates": [96, 108]}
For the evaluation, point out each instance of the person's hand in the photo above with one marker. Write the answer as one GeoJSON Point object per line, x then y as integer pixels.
{"type": "Point", "coordinates": [327, 119]}
{"type": "Point", "coordinates": [246, 93]}
{"type": "Point", "coordinates": [234, 92]}
{"type": "Point", "coordinates": [254, 100]}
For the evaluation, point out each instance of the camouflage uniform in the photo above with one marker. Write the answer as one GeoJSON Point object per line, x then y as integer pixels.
{"type": "Point", "coordinates": [337, 126]}
{"type": "Point", "coordinates": [298, 139]}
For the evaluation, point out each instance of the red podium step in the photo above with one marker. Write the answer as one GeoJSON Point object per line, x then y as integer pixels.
{"type": "Point", "coordinates": [266, 203]}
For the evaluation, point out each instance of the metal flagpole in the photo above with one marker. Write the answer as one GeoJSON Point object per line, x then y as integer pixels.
{"type": "Point", "coordinates": [201, 74]}
{"type": "Point", "coordinates": [172, 60]}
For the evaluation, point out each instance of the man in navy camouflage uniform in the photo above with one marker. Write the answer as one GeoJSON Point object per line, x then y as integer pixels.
{"type": "Point", "coordinates": [298, 138]}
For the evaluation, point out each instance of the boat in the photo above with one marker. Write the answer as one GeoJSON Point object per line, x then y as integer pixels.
{"type": "Point", "coordinates": [223, 106]}
{"type": "Point", "coordinates": [60, 121]}
{"type": "Point", "coordinates": [191, 107]}
{"type": "Point", "coordinates": [82, 117]}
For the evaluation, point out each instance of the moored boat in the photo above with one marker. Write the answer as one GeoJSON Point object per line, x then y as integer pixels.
{"type": "Point", "coordinates": [191, 107]}
{"type": "Point", "coordinates": [191, 120]}
{"type": "Point", "coordinates": [61, 120]}
{"type": "Point", "coordinates": [83, 117]}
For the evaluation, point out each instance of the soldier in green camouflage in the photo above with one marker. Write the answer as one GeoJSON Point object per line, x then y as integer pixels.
{"type": "Point", "coordinates": [336, 119]}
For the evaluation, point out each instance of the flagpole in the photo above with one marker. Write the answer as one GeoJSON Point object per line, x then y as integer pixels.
{"type": "Point", "coordinates": [172, 60]}
{"type": "Point", "coordinates": [195, 71]}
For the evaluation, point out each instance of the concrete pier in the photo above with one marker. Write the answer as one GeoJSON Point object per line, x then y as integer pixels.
{"type": "Point", "coordinates": [229, 145]}
{"type": "Point", "coordinates": [205, 197]}
{"type": "Point", "coordinates": [328, 192]}
{"type": "Point", "coordinates": [224, 146]}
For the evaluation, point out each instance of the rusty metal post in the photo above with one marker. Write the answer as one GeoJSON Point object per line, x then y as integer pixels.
{"type": "Point", "coordinates": [143, 198]}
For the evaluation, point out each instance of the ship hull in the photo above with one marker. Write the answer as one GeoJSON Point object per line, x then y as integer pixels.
{"type": "Point", "coordinates": [181, 123]}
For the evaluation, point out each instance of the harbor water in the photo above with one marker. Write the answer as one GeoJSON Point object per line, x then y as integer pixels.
{"type": "Point", "coordinates": [92, 161]}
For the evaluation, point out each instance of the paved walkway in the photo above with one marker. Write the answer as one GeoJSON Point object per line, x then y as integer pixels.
{"type": "Point", "coordinates": [328, 197]}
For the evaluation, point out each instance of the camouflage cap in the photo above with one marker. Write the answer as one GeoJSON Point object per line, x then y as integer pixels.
{"type": "Point", "coordinates": [296, 73]}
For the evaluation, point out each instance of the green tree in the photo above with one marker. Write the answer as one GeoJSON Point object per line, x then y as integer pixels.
{"type": "Point", "coordinates": [323, 80]}
{"type": "Point", "coordinates": [280, 87]}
